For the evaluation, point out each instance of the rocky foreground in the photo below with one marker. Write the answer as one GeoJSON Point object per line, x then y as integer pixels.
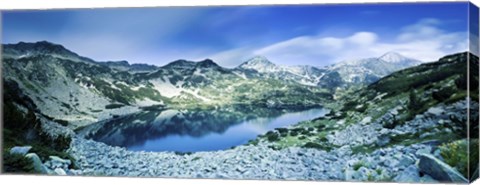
{"type": "Point", "coordinates": [420, 162]}
{"type": "Point", "coordinates": [253, 162]}
{"type": "Point", "coordinates": [412, 163]}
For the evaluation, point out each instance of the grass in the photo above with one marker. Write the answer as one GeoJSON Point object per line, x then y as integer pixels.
{"type": "Point", "coordinates": [456, 155]}
{"type": "Point", "coordinates": [358, 165]}
{"type": "Point", "coordinates": [363, 149]}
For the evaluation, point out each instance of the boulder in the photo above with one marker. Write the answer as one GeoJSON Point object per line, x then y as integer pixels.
{"type": "Point", "coordinates": [56, 159]}
{"type": "Point", "coordinates": [439, 170]}
{"type": "Point", "coordinates": [383, 140]}
{"type": "Point", "coordinates": [22, 150]}
{"type": "Point", "coordinates": [409, 175]}
{"type": "Point", "coordinates": [37, 163]}
{"type": "Point", "coordinates": [435, 111]}
{"type": "Point", "coordinates": [428, 179]}
{"type": "Point", "coordinates": [59, 171]}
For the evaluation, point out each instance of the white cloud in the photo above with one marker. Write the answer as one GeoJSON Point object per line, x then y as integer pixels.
{"type": "Point", "coordinates": [424, 40]}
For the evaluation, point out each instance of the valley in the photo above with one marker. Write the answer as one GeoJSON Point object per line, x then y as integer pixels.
{"type": "Point", "coordinates": [386, 118]}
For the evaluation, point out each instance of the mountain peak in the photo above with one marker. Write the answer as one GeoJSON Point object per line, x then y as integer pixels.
{"type": "Point", "coordinates": [40, 47]}
{"type": "Point", "coordinates": [180, 64]}
{"type": "Point", "coordinates": [260, 64]}
{"type": "Point", "coordinates": [207, 63]}
{"type": "Point", "coordinates": [393, 57]}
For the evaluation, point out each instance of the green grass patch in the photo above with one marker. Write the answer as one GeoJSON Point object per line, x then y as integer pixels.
{"type": "Point", "coordinates": [456, 155]}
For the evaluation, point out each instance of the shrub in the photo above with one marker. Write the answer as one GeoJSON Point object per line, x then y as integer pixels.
{"type": "Point", "coordinates": [358, 165]}
{"type": "Point", "coordinates": [293, 133]}
{"type": "Point", "coordinates": [113, 106]}
{"type": "Point", "coordinates": [456, 155]}
{"type": "Point", "coordinates": [414, 102]}
{"type": "Point", "coordinates": [305, 132]}
{"type": "Point", "coordinates": [317, 146]}
{"type": "Point", "coordinates": [272, 137]}
{"type": "Point", "coordinates": [349, 106]}
{"type": "Point", "coordinates": [16, 163]}
{"type": "Point", "coordinates": [282, 130]}
{"type": "Point", "coordinates": [443, 94]}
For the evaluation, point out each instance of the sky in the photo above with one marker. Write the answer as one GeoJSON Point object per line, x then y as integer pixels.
{"type": "Point", "coordinates": [315, 35]}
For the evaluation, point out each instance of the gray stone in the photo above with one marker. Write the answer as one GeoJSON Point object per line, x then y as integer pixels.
{"type": "Point", "coordinates": [439, 170]}
{"type": "Point", "coordinates": [22, 150]}
{"type": "Point", "coordinates": [428, 179]}
{"type": "Point", "coordinates": [37, 163]}
{"type": "Point", "coordinates": [383, 140]}
{"type": "Point", "coordinates": [409, 175]}
{"type": "Point", "coordinates": [406, 160]}
{"type": "Point", "coordinates": [56, 159]}
{"type": "Point", "coordinates": [425, 150]}
{"type": "Point", "coordinates": [435, 111]}
{"type": "Point", "coordinates": [59, 171]}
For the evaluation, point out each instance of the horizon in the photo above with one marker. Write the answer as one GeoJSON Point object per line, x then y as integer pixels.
{"type": "Point", "coordinates": [310, 35]}
{"type": "Point", "coordinates": [243, 62]}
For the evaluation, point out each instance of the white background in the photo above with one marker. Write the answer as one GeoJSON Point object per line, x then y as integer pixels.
{"type": "Point", "coordinates": [47, 4]}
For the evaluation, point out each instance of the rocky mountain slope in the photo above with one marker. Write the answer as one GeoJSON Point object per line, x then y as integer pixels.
{"type": "Point", "coordinates": [342, 74]}
{"type": "Point", "coordinates": [80, 91]}
{"type": "Point", "coordinates": [261, 67]}
{"type": "Point", "coordinates": [424, 107]}
{"type": "Point", "coordinates": [369, 70]}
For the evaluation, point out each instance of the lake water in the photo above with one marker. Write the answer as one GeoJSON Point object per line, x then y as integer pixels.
{"type": "Point", "coordinates": [194, 130]}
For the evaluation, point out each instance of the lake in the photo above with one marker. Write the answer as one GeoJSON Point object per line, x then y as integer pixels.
{"type": "Point", "coordinates": [194, 130]}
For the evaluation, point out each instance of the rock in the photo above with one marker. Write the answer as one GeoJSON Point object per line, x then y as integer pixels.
{"type": "Point", "coordinates": [425, 150]}
{"type": "Point", "coordinates": [441, 122]}
{"type": "Point", "coordinates": [366, 120]}
{"type": "Point", "coordinates": [59, 171]}
{"type": "Point", "coordinates": [448, 130]}
{"type": "Point", "coordinates": [435, 111]}
{"type": "Point", "coordinates": [431, 142]}
{"type": "Point", "coordinates": [439, 170]}
{"type": "Point", "coordinates": [22, 150]}
{"type": "Point", "coordinates": [406, 160]}
{"type": "Point", "coordinates": [426, 134]}
{"type": "Point", "coordinates": [409, 175]}
{"type": "Point", "coordinates": [240, 169]}
{"type": "Point", "coordinates": [56, 159]}
{"type": "Point", "coordinates": [428, 179]}
{"type": "Point", "coordinates": [383, 140]}
{"type": "Point", "coordinates": [37, 163]}
{"type": "Point", "coordinates": [394, 112]}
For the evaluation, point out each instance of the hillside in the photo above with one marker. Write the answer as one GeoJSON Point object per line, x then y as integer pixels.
{"type": "Point", "coordinates": [409, 113]}
{"type": "Point", "coordinates": [80, 91]}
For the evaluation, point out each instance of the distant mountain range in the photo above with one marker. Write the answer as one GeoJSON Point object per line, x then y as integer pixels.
{"type": "Point", "coordinates": [369, 70]}
{"type": "Point", "coordinates": [361, 71]}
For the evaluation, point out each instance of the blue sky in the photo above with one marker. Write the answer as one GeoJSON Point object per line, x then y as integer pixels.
{"type": "Point", "coordinates": [288, 35]}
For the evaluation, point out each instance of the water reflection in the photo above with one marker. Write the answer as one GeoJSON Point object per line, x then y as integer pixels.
{"type": "Point", "coordinates": [194, 130]}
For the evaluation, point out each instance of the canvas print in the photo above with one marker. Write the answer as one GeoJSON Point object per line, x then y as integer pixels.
{"type": "Point", "coordinates": [350, 92]}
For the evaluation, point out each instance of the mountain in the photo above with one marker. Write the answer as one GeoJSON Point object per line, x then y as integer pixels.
{"type": "Point", "coordinates": [79, 91]}
{"type": "Point", "coordinates": [369, 70]}
{"type": "Point", "coordinates": [261, 67]}
{"type": "Point", "coordinates": [360, 71]}
{"type": "Point", "coordinates": [132, 68]}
